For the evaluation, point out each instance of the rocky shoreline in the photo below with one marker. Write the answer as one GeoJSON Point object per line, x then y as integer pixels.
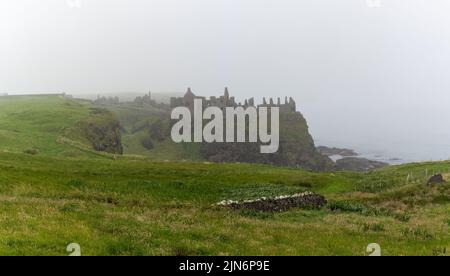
{"type": "Point", "coordinates": [356, 164]}
{"type": "Point", "coordinates": [350, 160]}
{"type": "Point", "coordinates": [328, 151]}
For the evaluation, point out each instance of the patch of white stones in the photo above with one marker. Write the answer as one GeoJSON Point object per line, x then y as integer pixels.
{"type": "Point", "coordinates": [228, 202]}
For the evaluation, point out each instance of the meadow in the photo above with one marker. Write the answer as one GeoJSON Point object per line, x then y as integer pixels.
{"type": "Point", "coordinates": [132, 205]}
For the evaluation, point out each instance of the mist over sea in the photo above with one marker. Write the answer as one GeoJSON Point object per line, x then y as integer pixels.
{"type": "Point", "coordinates": [394, 134]}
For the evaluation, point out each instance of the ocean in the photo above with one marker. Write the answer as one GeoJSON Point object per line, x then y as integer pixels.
{"type": "Point", "coordinates": [393, 134]}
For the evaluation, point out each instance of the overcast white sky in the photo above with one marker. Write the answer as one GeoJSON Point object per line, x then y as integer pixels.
{"type": "Point", "coordinates": [347, 64]}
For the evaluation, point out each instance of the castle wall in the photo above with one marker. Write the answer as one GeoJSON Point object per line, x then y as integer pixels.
{"type": "Point", "coordinates": [227, 101]}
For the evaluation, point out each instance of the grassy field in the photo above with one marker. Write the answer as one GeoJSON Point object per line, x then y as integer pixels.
{"type": "Point", "coordinates": [135, 206]}
{"type": "Point", "coordinates": [28, 123]}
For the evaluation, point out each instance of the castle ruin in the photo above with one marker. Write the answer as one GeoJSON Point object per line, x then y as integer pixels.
{"type": "Point", "coordinates": [226, 101]}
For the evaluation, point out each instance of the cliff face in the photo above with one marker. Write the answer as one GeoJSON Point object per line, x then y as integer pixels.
{"type": "Point", "coordinates": [101, 130]}
{"type": "Point", "coordinates": [297, 145]}
{"type": "Point", "coordinates": [296, 149]}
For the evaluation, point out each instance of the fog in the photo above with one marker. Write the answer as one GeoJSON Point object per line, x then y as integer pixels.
{"type": "Point", "coordinates": [372, 75]}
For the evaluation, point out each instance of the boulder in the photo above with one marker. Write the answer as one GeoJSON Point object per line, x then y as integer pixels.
{"type": "Point", "coordinates": [435, 179]}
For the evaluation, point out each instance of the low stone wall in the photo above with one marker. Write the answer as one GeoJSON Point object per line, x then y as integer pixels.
{"type": "Point", "coordinates": [306, 200]}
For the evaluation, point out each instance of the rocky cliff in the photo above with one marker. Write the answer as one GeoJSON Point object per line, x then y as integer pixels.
{"type": "Point", "coordinates": [296, 149]}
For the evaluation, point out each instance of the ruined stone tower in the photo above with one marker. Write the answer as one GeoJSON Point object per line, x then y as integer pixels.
{"type": "Point", "coordinates": [226, 101]}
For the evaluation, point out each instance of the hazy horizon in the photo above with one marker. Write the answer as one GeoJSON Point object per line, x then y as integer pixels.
{"type": "Point", "coordinates": [364, 75]}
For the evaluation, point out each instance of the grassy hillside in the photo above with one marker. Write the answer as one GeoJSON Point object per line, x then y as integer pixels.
{"type": "Point", "coordinates": [33, 124]}
{"type": "Point", "coordinates": [56, 126]}
{"type": "Point", "coordinates": [67, 193]}
{"type": "Point", "coordinates": [135, 207]}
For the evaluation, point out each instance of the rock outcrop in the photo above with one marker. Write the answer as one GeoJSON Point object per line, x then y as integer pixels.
{"type": "Point", "coordinates": [356, 164]}
{"type": "Point", "coordinates": [296, 148]}
{"type": "Point", "coordinates": [327, 151]}
{"type": "Point", "coordinates": [436, 179]}
{"type": "Point", "coordinates": [101, 130]}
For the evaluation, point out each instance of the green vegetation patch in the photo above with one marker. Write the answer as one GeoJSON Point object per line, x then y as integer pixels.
{"type": "Point", "coordinates": [101, 130]}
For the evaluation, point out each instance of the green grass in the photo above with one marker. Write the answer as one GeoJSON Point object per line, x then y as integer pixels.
{"type": "Point", "coordinates": [36, 122]}
{"type": "Point", "coordinates": [136, 206]}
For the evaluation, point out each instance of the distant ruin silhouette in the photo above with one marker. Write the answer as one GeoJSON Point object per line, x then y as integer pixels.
{"type": "Point", "coordinates": [226, 101]}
